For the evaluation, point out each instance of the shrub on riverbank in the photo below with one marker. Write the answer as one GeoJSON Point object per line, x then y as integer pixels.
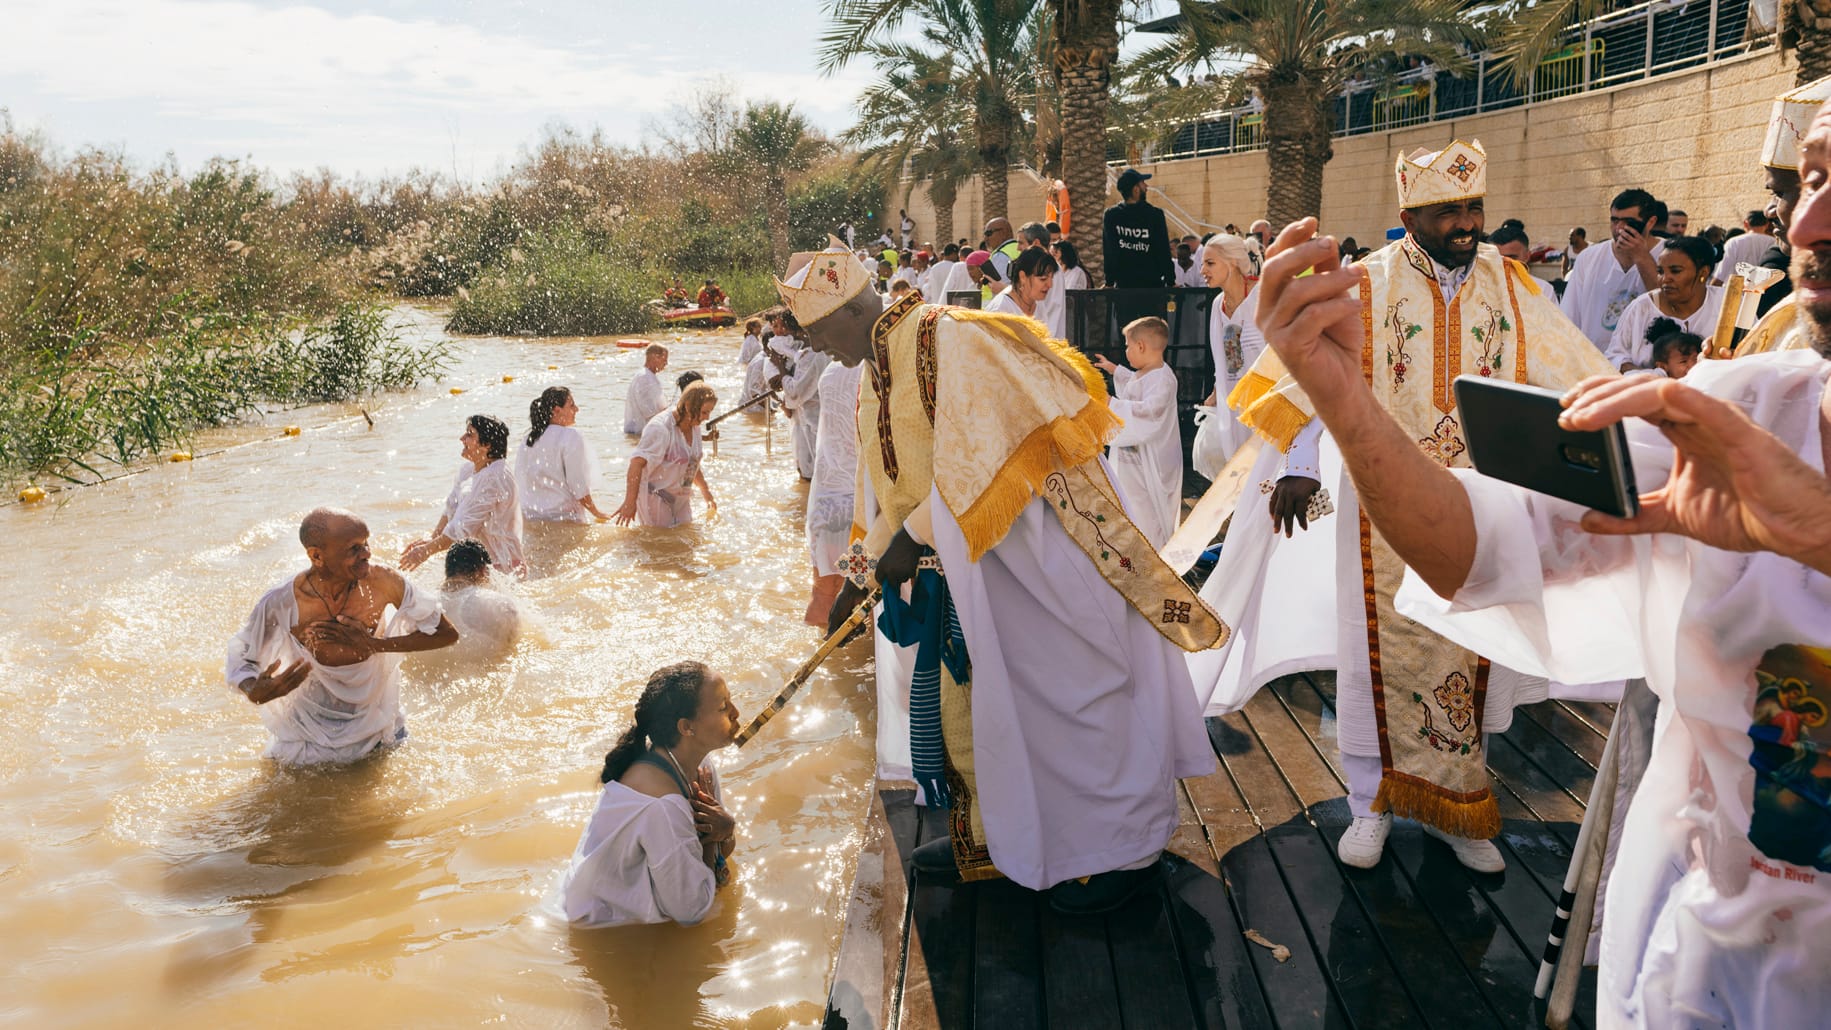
{"type": "Point", "coordinates": [68, 409]}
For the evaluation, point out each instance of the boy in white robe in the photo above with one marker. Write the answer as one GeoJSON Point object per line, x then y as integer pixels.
{"type": "Point", "coordinates": [1147, 455]}
{"type": "Point", "coordinates": [320, 653]}
{"type": "Point", "coordinates": [645, 398]}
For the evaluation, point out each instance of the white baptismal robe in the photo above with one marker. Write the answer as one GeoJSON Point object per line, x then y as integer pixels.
{"type": "Point", "coordinates": [639, 861]}
{"type": "Point", "coordinates": [753, 345]}
{"type": "Point", "coordinates": [1236, 342]}
{"type": "Point", "coordinates": [553, 474]}
{"type": "Point", "coordinates": [1147, 454]}
{"type": "Point", "coordinates": [1082, 718]}
{"type": "Point", "coordinates": [341, 712]}
{"type": "Point", "coordinates": [1630, 345]}
{"type": "Point", "coordinates": [488, 622]}
{"type": "Point", "coordinates": [485, 505]}
{"type": "Point", "coordinates": [1719, 912]}
{"type": "Point", "coordinates": [643, 401]}
{"type": "Point", "coordinates": [801, 395]}
{"type": "Point", "coordinates": [830, 495]}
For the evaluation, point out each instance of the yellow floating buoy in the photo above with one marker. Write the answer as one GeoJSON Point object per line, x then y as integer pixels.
{"type": "Point", "coordinates": [589, 357]}
{"type": "Point", "coordinates": [456, 390]}
{"type": "Point", "coordinates": [508, 379]}
{"type": "Point", "coordinates": [551, 368]}
{"type": "Point", "coordinates": [32, 494]}
{"type": "Point", "coordinates": [292, 430]}
{"type": "Point", "coordinates": [181, 456]}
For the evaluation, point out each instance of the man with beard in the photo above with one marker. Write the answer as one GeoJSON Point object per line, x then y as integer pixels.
{"type": "Point", "coordinates": [1435, 304]}
{"type": "Point", "coordinates": [1720, 907]}
{"type": "Point", "coordinates": [1048, 705]}
{"type": "Point", "coordinates": [1786, 126]}
{"type": "Point", "coordinates": [315, 656]}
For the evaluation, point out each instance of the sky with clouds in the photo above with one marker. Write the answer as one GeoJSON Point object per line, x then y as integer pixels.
{"type": "Point", "coordinates": [376, 86]}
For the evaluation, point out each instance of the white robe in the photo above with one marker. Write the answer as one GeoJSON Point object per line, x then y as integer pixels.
{"type": "Point", "coordinates": [801, 395]}
{"type": "Point", "coordinates": [341, 712]}
{"type": "Point", "coordinates": [1705, 926]}
{"type": "Point", "coordinates": [1629, 343]}
{"type": "Point", "coordinates": [753, 345]}
{"type": "Point", "coordinates": [1006, 304]}
{"type": "Point", "coordinates": [639, 861]}
{"type": "Point", "coordinates": [1054, 309]}
{"type": "Point", "coordinates": [756, 379]}
{"type": "Point", "coordinates": [1147, 453]}
{"type": "Point", "coordinates": [959, 280]}
{"type": "Point", "coordinates": [488, 622]}
{"type": "Point", "coordinates": [553, 474]}
{"type": "Point", "coordinates": [1746, 249]}
{"type": "Point", "coordinates": [643, 400]}
{"type": "Point", "coordinates": [664, 498]}
{"type": "Point", "coordinates": [485, 506]}
{"type": "Point", "coordinates": [830, 495]}
{"type": "Point", "coordinates": [934, 279]}
{"type": "Point", "coordinates": [1236, 342]}
{"type": "Point", "coordinates": [1082, 718]}
{"type": "Point", "coordinates": [1597, 291]}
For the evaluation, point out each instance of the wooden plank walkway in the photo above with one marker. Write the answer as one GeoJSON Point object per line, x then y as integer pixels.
{"type": "Point", "coordinates": [1416, 942]}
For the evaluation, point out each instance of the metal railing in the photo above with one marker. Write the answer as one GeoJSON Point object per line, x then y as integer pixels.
{"type": "Point", "coordinates": [1637, 42]}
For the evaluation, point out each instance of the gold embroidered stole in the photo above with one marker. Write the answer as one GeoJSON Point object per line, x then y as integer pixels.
{"type": "Point", "coordinates": [1778, 330]}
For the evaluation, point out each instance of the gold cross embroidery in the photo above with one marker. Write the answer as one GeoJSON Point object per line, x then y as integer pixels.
{"type": "Point", "coordinates": [1176, 611]}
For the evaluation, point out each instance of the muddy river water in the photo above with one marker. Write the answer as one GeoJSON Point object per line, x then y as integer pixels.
{"type": "Point", "coordinates": [155, 870]}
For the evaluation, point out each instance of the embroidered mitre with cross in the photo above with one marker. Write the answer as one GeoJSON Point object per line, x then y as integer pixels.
{"type": "Point", "coordinates": [1428, 693]}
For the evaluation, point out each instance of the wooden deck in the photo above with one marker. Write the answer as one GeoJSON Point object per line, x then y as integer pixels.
{"type": "Point", "coordinates": [1416, 942]}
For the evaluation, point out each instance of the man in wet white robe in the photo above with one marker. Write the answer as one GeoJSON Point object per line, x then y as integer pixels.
{"type": "Point", "coordinates": [1720, 901]}
{"type": "Point", "coordinates": [801, 399]}
{"type": "Point", "coordinates": [1052, 720]}
{"type": "Point", "coordinates": [645, 398]}
{"type": "Point", "coordinates": [320, 653]}
{"type": "Point", "coordinates": [1147, 454]}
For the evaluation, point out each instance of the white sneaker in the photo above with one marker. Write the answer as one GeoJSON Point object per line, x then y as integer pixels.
{"type": "Point", "coordinates": [1365, 841]}
{"type": "Point", "coordinates": [1479, 855]}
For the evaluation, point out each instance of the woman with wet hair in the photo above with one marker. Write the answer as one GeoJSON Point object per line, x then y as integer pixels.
{"type": "Point", "coordinates": [554, 468]}
{"type": "Point", "coordinates": [655, 849]}
{"type": "Point", "coordinates": [658, 490]}
{"type": "Point", "coordinates": [484, 504]}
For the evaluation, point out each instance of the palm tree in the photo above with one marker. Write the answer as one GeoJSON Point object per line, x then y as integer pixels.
{"type": "Point", "coordinates": [994, 44]}
{"type": "Point", "coordinates": [776, 140]}
{"type": "Point", "coordinates": [1296, 55]}
{"type": "Point", "coordinates": [910, 122]}
{"type": "Point", "coordinates": [1086, 34]}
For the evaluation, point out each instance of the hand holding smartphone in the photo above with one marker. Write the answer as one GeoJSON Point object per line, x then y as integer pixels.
{"type": "Point", "coordinates": [1513, 435]}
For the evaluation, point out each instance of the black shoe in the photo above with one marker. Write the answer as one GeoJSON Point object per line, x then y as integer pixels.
{"type": "Point", "coordinates": [1101, 892]}
{"type": "Point", "coordinates": [936, 858]}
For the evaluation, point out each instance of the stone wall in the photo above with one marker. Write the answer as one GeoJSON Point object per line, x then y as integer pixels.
{"type": "Point", "coordinates": [1691, 137]}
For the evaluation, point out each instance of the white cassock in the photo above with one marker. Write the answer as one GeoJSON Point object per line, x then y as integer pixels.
{"type": "Point", "coordinates": [639, 861]}
{"type": "Point", "coordinates": [1082, 712]}
{"type": "Point", "coordinates": [1147, 454]}
{"type": "Point", "coordinates": [552, 474]}
{"type": "Point", "coordinates": [1629, 342]}
{"type": "Point", "coordinates": [1597, 291]}
{"type": "Point", "coordinates": [801, 395]}
{"type": "Point", "coordinates": [341, 712]}
{"type": "Point", "coordinates": [1719, 910]}
{"type": "Point", "coordinates": [485, 506]}
{"type": "Point", "coordinates": [643, 401]}
{"type": "Point", "coordinates": [829, 496]}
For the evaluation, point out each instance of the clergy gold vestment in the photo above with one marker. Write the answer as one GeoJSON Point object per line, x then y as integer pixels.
{"type": "Point", "coordinates": [1428, 694]}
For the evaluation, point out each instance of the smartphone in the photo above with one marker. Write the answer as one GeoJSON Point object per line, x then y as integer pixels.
{"type": "Point", "coordinates": [1513, 435]}
{"type": "Point", "coordinates": [1637, 224]}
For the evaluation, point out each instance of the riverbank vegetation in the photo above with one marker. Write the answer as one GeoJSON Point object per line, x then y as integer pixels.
{"type": "Point", "coordinates": [138, 306]}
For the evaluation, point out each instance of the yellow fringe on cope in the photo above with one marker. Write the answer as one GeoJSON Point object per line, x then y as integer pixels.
{"type": "Point", "coordinates": [1276, 419]}
{"type": "Point", "coordinates": [1248, 390]}
{"type": "Point", "coordinates": [1524, 275]}
{"type": "Point", "coordinates": [1061, 443]}
{"type": "Point", "coordinates": [1479, 820]}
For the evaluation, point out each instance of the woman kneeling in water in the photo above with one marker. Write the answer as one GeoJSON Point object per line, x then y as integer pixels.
{"type": "Point", "coordinates": [655, 849]}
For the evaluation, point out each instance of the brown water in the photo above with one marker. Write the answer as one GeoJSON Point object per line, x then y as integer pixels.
{"type": "Point", "coordinates": [154, 869]}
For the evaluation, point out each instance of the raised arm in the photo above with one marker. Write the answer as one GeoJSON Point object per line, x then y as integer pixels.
{"type": "Point", "coordinates": [1314, 324]}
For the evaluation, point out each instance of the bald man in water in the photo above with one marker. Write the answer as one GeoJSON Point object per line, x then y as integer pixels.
{"type": "Point", "coordinates": [315, 656]}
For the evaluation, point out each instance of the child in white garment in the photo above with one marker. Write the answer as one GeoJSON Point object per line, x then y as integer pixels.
{"type": "Point", "coordinates": [1147, 455]}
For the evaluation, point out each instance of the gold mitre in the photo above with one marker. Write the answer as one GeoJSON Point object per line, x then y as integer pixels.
{"type": "Point", "coordinates": [1787, 124]}
{"type": "Point", "coordinates": [1457, 172]}
{"type": "Point", "coordinates": [823, 284]}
